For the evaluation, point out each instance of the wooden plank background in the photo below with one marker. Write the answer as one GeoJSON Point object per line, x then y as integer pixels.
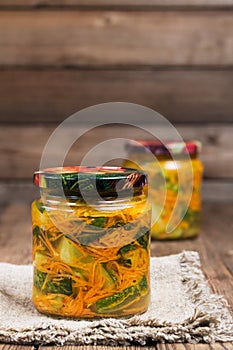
{"type": "Point", "coordinates": [119, 38]}
{"type": "Point", "coordinates": [57, 57]}
{"type": "Point", "coordinates": [124, 3]}
{"type": "Point", "coordinates": [21, 156]}
{"type": "Point", "coordinates": [182, 95]}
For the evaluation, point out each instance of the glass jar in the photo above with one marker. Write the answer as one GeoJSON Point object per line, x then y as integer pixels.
{"type": "Point", "coordinates": [91, 242]}
{"type": "Point", "coordinates": [173, 168]}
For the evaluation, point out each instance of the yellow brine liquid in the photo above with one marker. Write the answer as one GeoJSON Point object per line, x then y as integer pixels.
{"type": "Point", "coordinates": [169, 174]}
{"type": "Point", "coordinates": [91, 259]}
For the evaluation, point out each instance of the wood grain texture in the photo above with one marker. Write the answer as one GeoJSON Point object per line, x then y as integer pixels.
{"type": "Point", "coordinates": [221, 217]}
{"type": "Point", "coordinates": [16, 233]}
{"type": "Point", "coordinates": [216, 346]}
{"type": "Point", "coordinates": [105, 38]}
{"type": "Point", "coordinates": [21, 147]}
{"type": "Point", "coordinates": [52, 95]}
{"type": "Point", "coordinates": [124, 3]}
{"type": "Point", "coordinates": [217, 191]}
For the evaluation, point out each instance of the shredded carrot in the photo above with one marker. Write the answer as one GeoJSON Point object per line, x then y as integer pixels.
{"type": "Point", "coordinates": [78, 265]}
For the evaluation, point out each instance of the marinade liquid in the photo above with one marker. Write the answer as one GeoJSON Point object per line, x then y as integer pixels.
{"type": "Point", "coordinates": [91, 254]}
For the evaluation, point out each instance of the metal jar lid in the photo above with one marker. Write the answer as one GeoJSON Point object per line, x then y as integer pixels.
{"type": "Point", "coordinates": [169, 148]}
{"type": "Point", "coordinates": [82, 181]}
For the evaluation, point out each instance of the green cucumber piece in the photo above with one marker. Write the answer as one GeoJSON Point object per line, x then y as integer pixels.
{"type": "Point", "coordinates": [111, 279]}
{"type": "Point", "coordinates": [127, 248]}
{"type": "Point", "coordinates": [36, 232]}
{"type": "Point", "coordinates": [144, 240]}
{"type": "Point", "coordinates": [124, 260]}
{"type": "Point", "coordinates": [64, 286]}
{"type": "Point", "coordinates": [40, 207]}
{"type": "Point", "coordinates": [87, 237]}
{"type": "Point", "coordinates": [38, 278]}
{"type": "Point", "coordinates": [53, 285]}
{"type": "Point", "coordinates": [67, 251]}
{"type": "Point", "coordinates": [40, 258]}
{"type": "Point", "coordinates": [116, 301]}
{"type": "Point", "coordinates": [123, 298]}
{"type": "Point", "coordinates": [99, 222]}
{"type": "Point", "coordinates": [143, 286]}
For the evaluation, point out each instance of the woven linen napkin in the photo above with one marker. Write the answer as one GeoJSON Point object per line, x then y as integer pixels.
{"type": "Point", "coordinates": [182, 308]}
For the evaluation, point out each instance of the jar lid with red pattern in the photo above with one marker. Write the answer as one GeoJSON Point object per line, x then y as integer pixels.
{"type": "Point", "coordinates": [159, 148]}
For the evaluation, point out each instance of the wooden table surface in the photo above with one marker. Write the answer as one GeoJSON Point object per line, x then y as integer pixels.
{"type": "Point", "coordinates": [215, 246]}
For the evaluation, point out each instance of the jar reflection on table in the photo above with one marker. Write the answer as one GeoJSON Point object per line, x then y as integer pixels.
{"type": "Point", "coordinates": [172, 167]}
{"type": "Point", "coordinates": [91, 255]}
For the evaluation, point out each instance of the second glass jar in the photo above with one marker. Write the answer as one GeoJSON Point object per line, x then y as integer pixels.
{"type": "Point", "coordinates": [164, 163]}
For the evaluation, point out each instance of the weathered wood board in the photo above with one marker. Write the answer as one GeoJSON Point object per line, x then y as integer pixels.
{"type": "Point", "coordinates": [123, 3]}
{"type": "Point", "coordinates": [21, 146]}
{"type": "Point", "coordinates": [110, 38]}
{"type": "Point", "coordinates": [183, 95]}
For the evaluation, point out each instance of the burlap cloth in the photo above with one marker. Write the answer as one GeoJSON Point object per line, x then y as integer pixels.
{"type": "Point", "coordinates": [182, 308]}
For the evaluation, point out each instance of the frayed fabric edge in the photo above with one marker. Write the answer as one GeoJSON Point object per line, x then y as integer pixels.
{"type": "Point", "coordinates": [208, 307]}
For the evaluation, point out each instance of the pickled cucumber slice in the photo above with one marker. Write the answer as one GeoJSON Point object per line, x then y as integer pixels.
{"type": "Point", "coordinates": [143, 286]}
{"type": "Point", "coordinates": [68, 252]}
{"type": "Point", "coordinates": [40, 259]}
{"type": "Point", "coordinates": [40, 207]}
{"type": "Point", "coordinates": [53, 284]}
{"type": "Point", "coordinates": [144, 240]}
{"type": "Point", "coordinates": [122, 299]}
{"type": "Point", "coordinates": [109, 276]}
{"type": "Point", "coordinates": [117, 301]}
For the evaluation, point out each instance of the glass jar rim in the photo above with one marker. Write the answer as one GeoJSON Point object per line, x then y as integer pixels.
{"type": "Point", "coordinates": [168, 148]}
{"type": "Point", "coordinates": [82, 181]}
